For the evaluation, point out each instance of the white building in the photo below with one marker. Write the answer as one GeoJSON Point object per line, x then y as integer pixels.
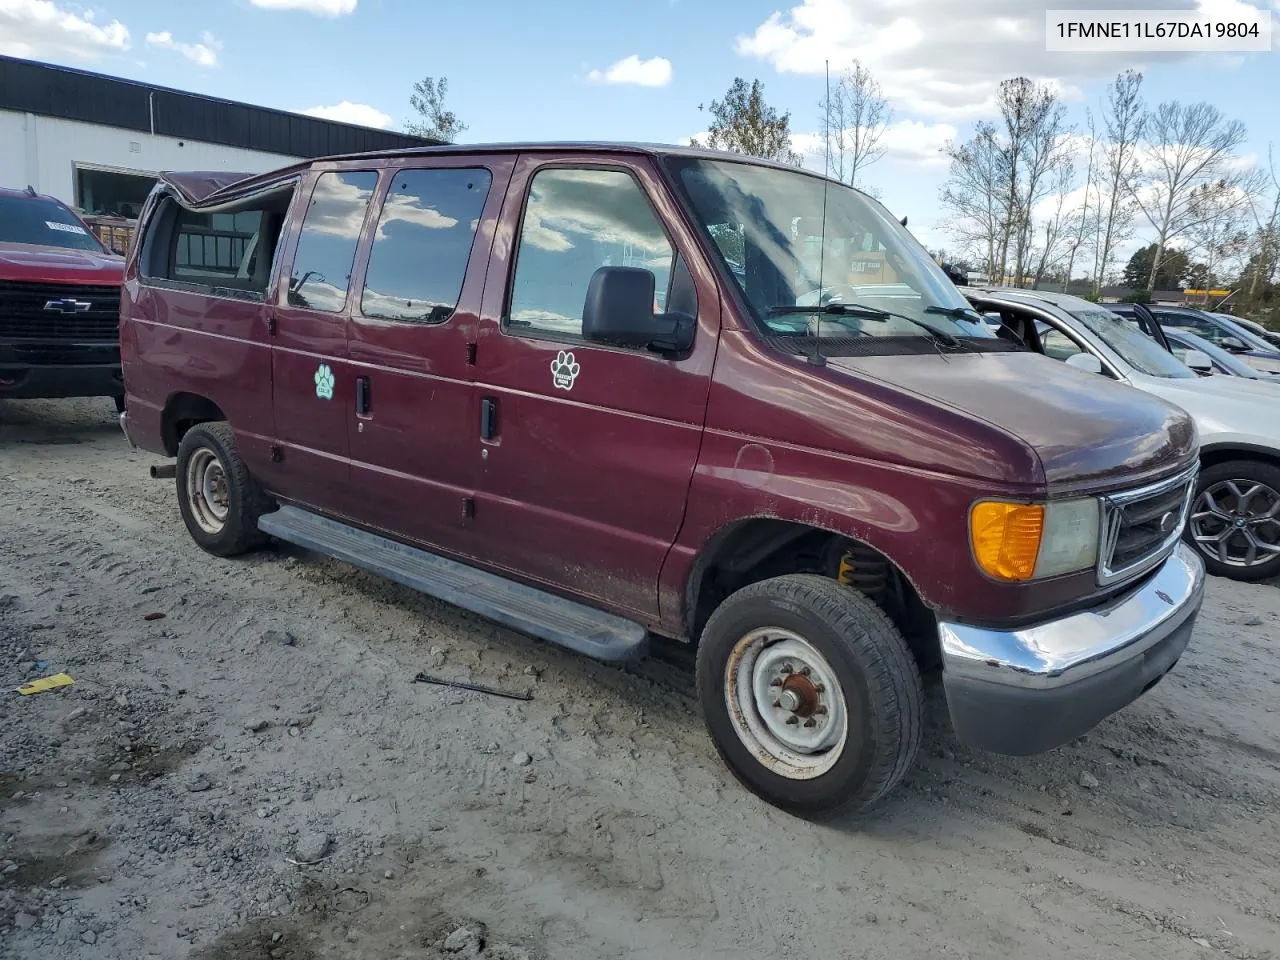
{"type": "Point", "coordinates": [97, 142]}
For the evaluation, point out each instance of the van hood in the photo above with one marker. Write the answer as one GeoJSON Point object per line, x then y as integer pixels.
{"type": "Point", "coordinates": [36, 263]}
{"type": "Point", "coordinates": [1088, 432]}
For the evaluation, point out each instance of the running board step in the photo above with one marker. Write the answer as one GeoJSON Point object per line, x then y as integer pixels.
{"type": "Point", "coordinates": [527, 609]}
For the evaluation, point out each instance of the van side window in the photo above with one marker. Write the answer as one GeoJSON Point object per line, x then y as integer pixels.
{"type": "Point", "coordinates": [420, 251]}
{"type": "Point", "coordinates": [229, 252]}
{"type": "Point", "coordinates": [327, 245]}
{"type": "Point", "coordinates": [213, 247]}
{"type": "Point", "coordinates": [576, 221]}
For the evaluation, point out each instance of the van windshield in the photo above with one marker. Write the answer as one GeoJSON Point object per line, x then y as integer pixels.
{"type": "Point", "coordinates": [42, 222]}
{"type": "Point", "coordinates": [815, 258]}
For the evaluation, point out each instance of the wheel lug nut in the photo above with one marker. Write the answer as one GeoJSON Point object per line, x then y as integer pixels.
{"type": "Point", "coordinates": [793, 720]}
{"type": "Point", "coordinates": [820, 688]}
{"type": "Point", "coordinates": [786, 670]}
{"type": "Point", "coordinates": [811, 723]}
{"type": "Point", "coordinates": [804, 671]}
{"type": "Point", "coordinates": [775, 682]}
{"type": "Point", "coordinates": [820, 709]}
{"type": "Point", "coordinates": [777, 704]}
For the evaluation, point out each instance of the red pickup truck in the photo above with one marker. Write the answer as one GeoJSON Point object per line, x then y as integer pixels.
{"type": "Point", "coordinates": [59, 303]}
{"type": "Point", "coordinates": [602, 392]}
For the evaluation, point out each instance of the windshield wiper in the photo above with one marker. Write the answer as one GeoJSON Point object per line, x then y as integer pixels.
{"type": "Point", "coordinates": [874, 313]}
{"type": "Point", "coordinates": [956, 313]}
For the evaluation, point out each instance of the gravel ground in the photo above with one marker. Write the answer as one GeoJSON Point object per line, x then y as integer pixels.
{"type": "Point", "coordinates": [244, 769]}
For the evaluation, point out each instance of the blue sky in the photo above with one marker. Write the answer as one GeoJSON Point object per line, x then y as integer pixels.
{"type": "Point", "coordinates": [631, 69]}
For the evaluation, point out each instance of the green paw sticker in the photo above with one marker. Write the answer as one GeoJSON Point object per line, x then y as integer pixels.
{"type": "Point", "coordinates": [324, 382]}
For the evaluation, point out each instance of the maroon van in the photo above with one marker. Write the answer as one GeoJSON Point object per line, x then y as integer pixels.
{"type": "Point", "coordinates": [600, 393]}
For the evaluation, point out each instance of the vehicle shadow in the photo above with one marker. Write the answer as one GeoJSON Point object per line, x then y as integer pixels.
{"type": "Point", "coordinates": [53, 422]}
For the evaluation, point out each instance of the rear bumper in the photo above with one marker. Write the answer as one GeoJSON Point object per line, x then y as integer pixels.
{"type": "Point", "coordinates": [1029, 690]}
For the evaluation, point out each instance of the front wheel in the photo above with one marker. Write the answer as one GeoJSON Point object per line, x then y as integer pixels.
{"type": "Point", "coordinates": [810, 694]}
{"type": "Point", "coordinates": [219, 501]}
{"type": "Point", "coordinates": [1235, 519]}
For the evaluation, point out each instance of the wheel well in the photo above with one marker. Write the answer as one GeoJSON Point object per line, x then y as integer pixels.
{"type": "Point", "coordinates": [759, 549]}
{"type": "Point", "coordinates": [182, 412]}
{"type": "Point", "coordinates": [1216, 455]}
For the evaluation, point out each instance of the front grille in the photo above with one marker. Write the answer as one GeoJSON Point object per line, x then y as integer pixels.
{"type": "Point", "coordinates": [1140, 527]}
{"type": "Point", "coordinates": [23, 315]}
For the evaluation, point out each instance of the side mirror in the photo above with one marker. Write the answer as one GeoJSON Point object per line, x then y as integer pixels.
{"type": "Point", "coordinates": [1234, 344]}
{"type": "Point", "coordinates": [619, 310]}
{"type": "Point", "coordinates": [1086, 362]}
{"type": "Point", "coordinates": [1199, 362]}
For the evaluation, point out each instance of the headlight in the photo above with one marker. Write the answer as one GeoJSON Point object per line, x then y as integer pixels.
{"type": "Point", "coordinates": [1029, 541]}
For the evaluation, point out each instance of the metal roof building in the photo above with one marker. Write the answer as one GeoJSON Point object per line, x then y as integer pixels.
{"type": "Point", "coordinates": [96, 142]}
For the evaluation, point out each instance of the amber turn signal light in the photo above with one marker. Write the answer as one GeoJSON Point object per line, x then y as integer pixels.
{"type": "Point", "coordinates": [1006, 538]}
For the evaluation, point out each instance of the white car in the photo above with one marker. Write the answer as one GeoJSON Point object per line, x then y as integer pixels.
{"type": "Point", "coordinates": [1235, 519]}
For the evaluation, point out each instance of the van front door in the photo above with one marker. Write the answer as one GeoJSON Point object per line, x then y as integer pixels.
{"type": "Point", "coordinates": [586, 451]}
{"type": "Point", "coordinates": [313, 384]}
{"type": "Point", "coordinates": [413, 454]}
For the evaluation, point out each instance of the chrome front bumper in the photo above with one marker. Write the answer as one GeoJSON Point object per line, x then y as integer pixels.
{"type": "Point", "coordinates": [1028, 690]}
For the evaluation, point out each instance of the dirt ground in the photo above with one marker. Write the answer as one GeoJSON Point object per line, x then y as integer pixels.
{"type": "Point", "coordinates": [244, 769]}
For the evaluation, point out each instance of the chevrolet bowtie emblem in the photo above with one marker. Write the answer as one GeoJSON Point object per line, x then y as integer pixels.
{"type": "Point", "coordinates": [68, 305]}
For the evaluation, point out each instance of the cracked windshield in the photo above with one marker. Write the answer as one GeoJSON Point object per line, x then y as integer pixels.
{"type": "Point", "coordinates": [821, 260]}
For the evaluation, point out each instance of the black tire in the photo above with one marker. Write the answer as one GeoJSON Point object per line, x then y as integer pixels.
{"type": "Point", "coordinates": [873, 666]}
{"type": "Point", "coordinates": [1248, 473]}
{"type": "Point", "coordinates": [239, 495]}
{"type": "Point", "coordinates": [119, 401]}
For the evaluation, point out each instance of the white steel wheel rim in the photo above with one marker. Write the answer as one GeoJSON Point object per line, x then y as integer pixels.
{"type": "Point", "coordinates": [208, 492]}
{"type": "Point", "coordinates": [785, 703]}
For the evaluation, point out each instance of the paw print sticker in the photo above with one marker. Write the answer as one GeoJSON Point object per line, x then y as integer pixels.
{"type": "Point", "coordinates": [324, 382]}
{"type": "Point", "coordinates": [564, 370]}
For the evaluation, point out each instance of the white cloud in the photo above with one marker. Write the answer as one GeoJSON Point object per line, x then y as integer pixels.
{"type": "Point", "coordinates": [42, 30]}
{"type": "Point", "coordinates": [321, 8]}
{"type": "Point", "coordinates": [937, 58]}
{"type": "Point", "coordinates": [361, 114]}
{"type": "Point", "coordinates": [654, 72]}
{"type": "Point", "coordinates": [204, 53]}
{"type": "Point", "coordinates": [909, 146]}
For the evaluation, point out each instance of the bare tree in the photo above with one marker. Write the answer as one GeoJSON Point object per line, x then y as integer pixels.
{"type": "Point", "coordinates": [855, 117]}
{"type": "Point", "coordinates": [1219, 233]}
{"type": "Point", "coordinates": [437, 123]}
{"type": "Point", "coordinates": [1055, 225]}
{"type": "Point", "coordinates": [1033, 146]}
{"type": "Point", "coordinates": [1266, 240]}
{"type": "Point", "coordinates": [744, 123]}
{"type": "Point", "coordinates": [1187, 147]}
{"type": "Point", "coordinates": [1086, 226]}
{"type": "Point", "coordinates": [1123, 123]}
{"type": "Point", "coordinates": [973, 196]}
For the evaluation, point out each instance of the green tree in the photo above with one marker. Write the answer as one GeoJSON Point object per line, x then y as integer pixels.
{"type": "Point", "coordinates": [1174, 267]}
{"type": "Point", "coordinates": [437, 123]}
{"type": "Point", "coordinates": [743, 123]}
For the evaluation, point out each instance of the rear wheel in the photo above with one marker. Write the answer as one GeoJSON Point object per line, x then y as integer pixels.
{"type": "Point", "coordinates": [219, 501]}
{"type": "Point", "coordinates": [1235, 519]}
{"type": "Point", "coordinates": [810, 694]}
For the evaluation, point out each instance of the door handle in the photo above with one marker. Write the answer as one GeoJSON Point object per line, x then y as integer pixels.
{"type": "Point", "coordinates": [362, 396]}
{"type": "Point", "coordinates": [488, 418]}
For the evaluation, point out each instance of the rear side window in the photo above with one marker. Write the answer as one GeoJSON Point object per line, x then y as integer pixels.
{"type": "Point", "coordinates": [327, 245]}
{"type": "Point", "coordinates": [575, 222]}
{"type": "Point", "coordinates": [227, 253]}
{"type": "Point", "coordinates": [216, 247]}
{"type": "Point", "coordinates": [424, 238]}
